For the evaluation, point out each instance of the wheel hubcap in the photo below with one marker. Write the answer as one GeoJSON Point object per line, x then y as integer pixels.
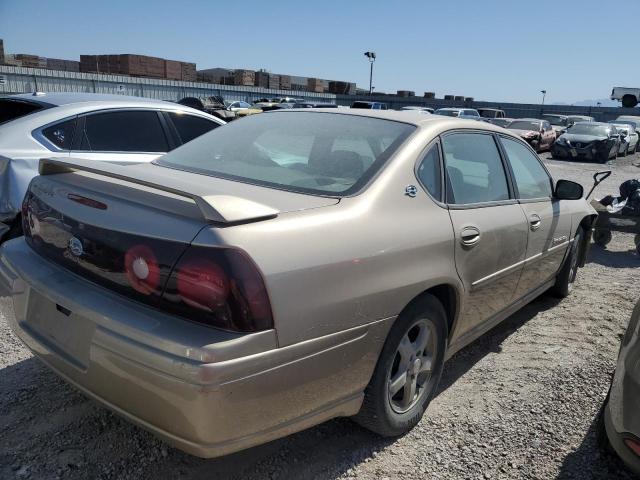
{"type": "Point", "coordinates": [412, 366]}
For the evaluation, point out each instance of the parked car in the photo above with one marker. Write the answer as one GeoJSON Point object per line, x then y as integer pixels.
{"type": "Point", "coordinates": [314, 105]}
{"type": "Point", "coordinates": [630, 120]}
{"type": "Point", "coordinates": [538, 133]}
{"type": "Point", "coordinates": [417, 108]}
{"type": "Point", "coordinates": [558, 122]}
{"type": "Point", "coordinates": [111, 128]}
{"type": "Point", "coordinates": [259, 296]}
{"type": "Point", "coordinates": [620, 420]}
{"type": "Point", "coordinates": [213, 105]}
{"type": "Point", "coordinates": [588, 140]}
{"type": "Point", "coordinates": [279, 103]}
{"type": "Point", "coordinates": [491, 113]}
{"type": "Point", "coordinates": [238, 106]}
{"type": "Point", "coordinates": [628, 96]}
{"type": "Point", "coordinates": [369, 105]}
{"type": "Point", "coordinates": [501, 122]}
{"type": "Point", "coordinates": [628, 141]}
{"type": "Point", "coordinates": [571, 119]}
{"type": "Point", "coordinates": [468, 113]}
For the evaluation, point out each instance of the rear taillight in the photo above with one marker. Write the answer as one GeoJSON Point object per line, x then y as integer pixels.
{"type": "Point", "coordinates": [634, 445]}
{"type": "Point", "coordinates": [221, 287]}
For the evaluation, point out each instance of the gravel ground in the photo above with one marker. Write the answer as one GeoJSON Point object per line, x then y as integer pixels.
{"type": "Point", "coordinates": [521, 402]}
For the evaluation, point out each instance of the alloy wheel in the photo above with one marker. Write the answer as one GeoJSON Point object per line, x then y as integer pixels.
{"type": "Point", "coordinates": [412, 366]}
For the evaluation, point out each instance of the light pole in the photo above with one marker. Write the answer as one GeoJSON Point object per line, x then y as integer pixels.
{"type": "Point", "coordinates": [372, 58]}
{"type": "Point", "coordinates": [544, 94]}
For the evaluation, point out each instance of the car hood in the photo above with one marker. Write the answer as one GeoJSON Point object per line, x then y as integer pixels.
{"type": "Point", "coordinates": [572, 137]}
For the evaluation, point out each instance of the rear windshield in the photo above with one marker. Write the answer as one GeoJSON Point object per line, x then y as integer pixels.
{"type": "Point", "coordinates": [319, 153]}
{"type": "Point", "coordinates": [12, 109]}
{"type": "Point", "coordinates": [557, 121]}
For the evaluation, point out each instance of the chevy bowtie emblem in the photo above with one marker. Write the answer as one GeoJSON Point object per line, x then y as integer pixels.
{"type": "Point", "coordinates": [75, 247]}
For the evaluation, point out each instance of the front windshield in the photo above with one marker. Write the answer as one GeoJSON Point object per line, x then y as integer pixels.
{"type": "Point", "coordinates": [448, 113]}
{"type": "Point", "coordinates": [524, 125]}
{"type": "Point", "coordinates": [301, 151]}
{"type": "Point", "coordinates": [588, 129]}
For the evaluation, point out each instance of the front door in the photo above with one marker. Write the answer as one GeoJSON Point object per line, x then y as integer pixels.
{"type": "Point", "coordinates": [489, 225]}
{"type": "Point", "coordinates": [548, 222]}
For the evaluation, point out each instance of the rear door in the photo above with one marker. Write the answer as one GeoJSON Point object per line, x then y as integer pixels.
{"type": "Point", "coordinates": [489, 225]}
{"type": "Point", "coordinates": [548, 221]}
{"type": "Point", "coordinates": [122, 136]}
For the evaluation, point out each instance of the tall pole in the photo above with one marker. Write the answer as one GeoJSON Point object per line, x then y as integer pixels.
{"type": "Point", "coordinates": [371, 79]}
{"type": "Point", "coordinates": [372, 58]}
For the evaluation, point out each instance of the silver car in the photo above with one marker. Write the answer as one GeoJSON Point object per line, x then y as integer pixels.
{"type": "Point", "coordinates": [112, 128]}
{"type": "Point", "coordinates": [621, 414]}
{"type": "Point", "coordinates": [287, 269]}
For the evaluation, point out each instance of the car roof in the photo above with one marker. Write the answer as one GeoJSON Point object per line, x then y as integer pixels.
{"type": "Point", "coordinates": [69, 98]}
{"type": "Point", "coordinates": [412, 117]}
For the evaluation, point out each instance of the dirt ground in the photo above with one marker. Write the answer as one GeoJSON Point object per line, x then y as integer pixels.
{"type": "Point", "coordinates": [521, 402]}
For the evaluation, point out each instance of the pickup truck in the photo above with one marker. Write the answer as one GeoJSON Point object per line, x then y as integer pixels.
{"type": "Point", "coordinates": [628, 96]}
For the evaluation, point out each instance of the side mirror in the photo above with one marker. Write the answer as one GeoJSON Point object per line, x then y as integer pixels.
{"type": "Point", "coordinates": [568, 190]}
{"type": "Point", "coordinates": [623, 134]}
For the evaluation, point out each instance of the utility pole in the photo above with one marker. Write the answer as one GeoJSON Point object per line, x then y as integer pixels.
{"type": "Point", "coordinates": [372, 58]}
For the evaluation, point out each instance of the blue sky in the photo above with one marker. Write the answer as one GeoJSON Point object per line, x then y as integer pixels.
{"type": "Point", "coordinates": [499, 50]}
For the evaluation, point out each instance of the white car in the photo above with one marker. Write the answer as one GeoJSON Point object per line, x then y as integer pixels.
{"type": "Point", "coordinates": [415, 108]}
{"type": "Point", "coordinates": [628, 143]}
{"type": "Point", "coordinates": [112, 128]}
{"type": "Point", "coordinates": [468, 113]}
{"type": "Point", "coordinates": [239, 106]}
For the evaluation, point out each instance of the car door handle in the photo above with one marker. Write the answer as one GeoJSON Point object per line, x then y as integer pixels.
{"type": "Point", "coordinates": [535, 222]}
{"type": "Point", "coordinates": [469, 236]}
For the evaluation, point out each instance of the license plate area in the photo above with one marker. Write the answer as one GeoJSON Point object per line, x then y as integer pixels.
{"type": "Point", "coordinates": [59, 329]}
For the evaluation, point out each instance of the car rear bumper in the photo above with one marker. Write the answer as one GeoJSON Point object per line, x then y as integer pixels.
{"type": "Point", "coordinates": [205, 391]}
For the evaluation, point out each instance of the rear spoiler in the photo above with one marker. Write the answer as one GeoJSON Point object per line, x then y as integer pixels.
{"type": "Point", "coordinates": [214, 208]}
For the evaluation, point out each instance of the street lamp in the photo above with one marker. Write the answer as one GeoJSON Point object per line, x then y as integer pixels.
{"type": "Point", "coordinates": [544, 94]}
{"type": "Point", "coordinates": [372, 58]}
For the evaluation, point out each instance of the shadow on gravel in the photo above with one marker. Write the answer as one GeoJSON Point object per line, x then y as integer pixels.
{"type": "Point", "coordinates": [607, 258]}
{"type": "Point", "coordinates": [591, 461]}
{"type": "Point", "coordinates": [491, 341]}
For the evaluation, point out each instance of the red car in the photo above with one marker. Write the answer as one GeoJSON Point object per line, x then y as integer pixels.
{"type": "Point", "coordinates": [538, 133]}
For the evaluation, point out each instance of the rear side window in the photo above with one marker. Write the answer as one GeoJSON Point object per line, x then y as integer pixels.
{"type": "Point", "coordinates": [124, 131]}
{"type": "Point", "coordinates": [429, 173]}
{"type": "Point", "coordinates": [474, 169]}
{"type": "Point", "coordinates": [531, 178]}
{"type": "Point", "coordinates": [12, 109]}
{"type": "Point", "coordinates": [190, 126]}
{"type": "Point", "coordinates": [61, 134]}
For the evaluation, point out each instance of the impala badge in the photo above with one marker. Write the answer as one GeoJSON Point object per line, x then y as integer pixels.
{"type": "Point", "coordinates": [411, 191]}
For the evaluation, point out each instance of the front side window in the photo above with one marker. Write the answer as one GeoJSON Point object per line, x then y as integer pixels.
{"type": "Point", "coordinates": [474, 169]}
{"type": "Point", "coordinates": [124, 131]}
{"type": "Point", "coordinates": [429, 173]}
{"type": "Point", "coordinates": [321, 153]}
{"type": "Point", "coordinates": [191, 126]}
{"type": "Point", "coordinates": [531, 178]}
{"type": "Point", "coordinates": [61, 134]}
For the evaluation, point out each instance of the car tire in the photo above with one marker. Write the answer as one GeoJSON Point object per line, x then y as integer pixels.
{"type": "Point", "coordinates": [569, 270]}
{"type": "Point", "coordinates": [15, 230]}
{"type": "Point", "coordinates": [601, 237]}
{"type": "Point", "coordinates": [392, 414]}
